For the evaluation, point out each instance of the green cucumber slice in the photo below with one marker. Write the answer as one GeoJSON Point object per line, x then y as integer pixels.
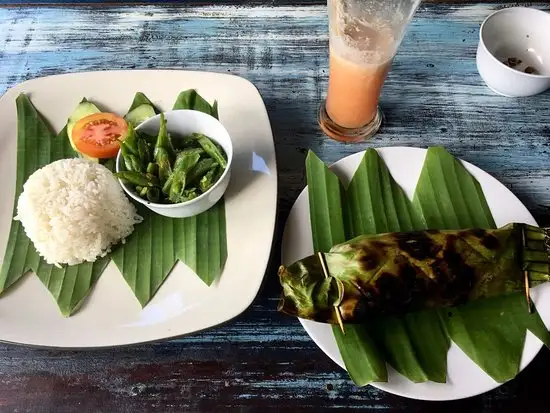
{"type": "Point", "coordinates": [83, 109]}
{"type": "Point", "coordinates": [140, 114]}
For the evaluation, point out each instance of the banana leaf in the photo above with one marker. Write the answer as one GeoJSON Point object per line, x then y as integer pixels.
{"type": "Point", "coordinates": [141, 99]}
{"type": "Point", "coordinates": [37, 146]}
{"type": "Point", "coordinates": [327, 224]}
{"type": "Point", "coordinates": [371, 190]}
{"type": "Point", "coordinates": [491, 332]}
{"type": "Point", "coordinates": [148, 255]}
{"type": "Point", "coordinates": [190, 99]}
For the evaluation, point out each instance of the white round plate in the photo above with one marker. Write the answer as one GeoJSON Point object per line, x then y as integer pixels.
{"type": "Point", "coordinates": [464, 378]}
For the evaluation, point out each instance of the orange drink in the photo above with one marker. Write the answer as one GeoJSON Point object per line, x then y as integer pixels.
{"type": "Point", "coordinates": [353, 91]}
{"type": "Point", "coordinates": [364, 37]}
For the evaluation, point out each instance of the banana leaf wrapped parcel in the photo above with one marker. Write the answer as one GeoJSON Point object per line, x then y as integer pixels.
{"type": "Point", "coordinates": [402, 272]}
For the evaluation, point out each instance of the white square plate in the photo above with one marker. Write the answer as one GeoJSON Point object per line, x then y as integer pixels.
{"type": "Point", "coordinates": [111, 315]}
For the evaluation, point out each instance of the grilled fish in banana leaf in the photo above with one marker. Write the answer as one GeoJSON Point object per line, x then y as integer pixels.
{"type": "Point", "coordinates": [396, 273]}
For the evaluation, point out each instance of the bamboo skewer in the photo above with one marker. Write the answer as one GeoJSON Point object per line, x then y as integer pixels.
{"type": "Point", "coordinates": [336, 309]}
{"type": "Point", "coordinates": [526, 277]}
{"type": "Point", "coordinates": [526, 274]}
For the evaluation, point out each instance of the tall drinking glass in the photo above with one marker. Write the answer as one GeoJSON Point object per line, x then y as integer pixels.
{"type": "Point", "coordinates": [364, 36]}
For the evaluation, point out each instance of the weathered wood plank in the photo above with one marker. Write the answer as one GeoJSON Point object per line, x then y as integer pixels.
{"type": "Point", "coordinates": [65, 3]}
{"type": "Point", "coordinates": [263, 360]}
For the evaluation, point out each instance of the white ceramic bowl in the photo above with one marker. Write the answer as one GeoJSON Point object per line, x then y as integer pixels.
{"type": "Point", "coordinates": [180, 123]}
{"type": "Point", "coordinates": [517, 32]}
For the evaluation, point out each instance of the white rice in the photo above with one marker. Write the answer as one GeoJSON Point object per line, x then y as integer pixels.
{"type": "Point", "coordinates": [74, 210]}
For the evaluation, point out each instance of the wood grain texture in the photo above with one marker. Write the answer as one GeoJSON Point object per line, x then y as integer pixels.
{"type": "Point", "coordinates": [107, 3]}
{"type": "Point", "coordinates": [264, 361]}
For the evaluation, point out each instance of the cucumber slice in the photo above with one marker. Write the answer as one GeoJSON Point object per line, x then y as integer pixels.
{"type": "Point", "coordinates": [83, 109]}
{"type": "Point", "coordinates": [140, 114]}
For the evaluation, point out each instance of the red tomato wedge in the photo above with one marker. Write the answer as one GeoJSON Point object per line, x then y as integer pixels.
{"type": "Point", "coordinates": [98, 135]}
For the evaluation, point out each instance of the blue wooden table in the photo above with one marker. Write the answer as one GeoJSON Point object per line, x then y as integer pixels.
{"type": "Point", "coordinates": [264, 361]}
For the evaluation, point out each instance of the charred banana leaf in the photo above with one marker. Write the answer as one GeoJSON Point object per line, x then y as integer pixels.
{"type": "Point", "coordinates": [397, 273]}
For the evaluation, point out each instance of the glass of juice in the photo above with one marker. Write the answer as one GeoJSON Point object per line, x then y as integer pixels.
{"type": "Point", "coordinates": [364, 36]}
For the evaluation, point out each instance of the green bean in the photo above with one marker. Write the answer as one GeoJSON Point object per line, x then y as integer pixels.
{"type": "Point", "coordinates": [143, 192]}
{"type": "Point", "coordinates": [131, 140]}
{"type": "Point", "coordinates": [152, 168]}
{"type": "Point", "coordinates": [218, 175]}
{"type": "Point", "coordinates": [203, 166]}
{"type": "Point", "coordinates": [181, 142]}
{"type": "Point", "coordinates": [168, 184]}
{"type": "Point", "coordinates": [208, 180]}
{"type": "Point", "coordinates": [187, 159]}
{"type": "Point", "coordinates": [176, 190]}
{"type": "Point", "coordinates": [211, 149]}
{"type": "Point", "coordinates": [128, 163]}
{"type": "Point", "coordinates": [198, 151]}
{"type": "Point", "coordinates": [124, 148]}
{"type": "Point", "coordinates": [134, 178]}
{"type": "Point", "coordinates": [189, 194]}
{"type": "Point", "coordinates": [189, 142]}
{"type": "Point", "coordinates": [153, 194]}
{"type": "Point", "coordinates": [150, 139]}
{"type": "Point", "coordinates": [136, 164]}
{"type": "Point", "coordinates": [143, 151]}
{"type": "Point", "coordinates": [164, 143]}
{"type": "Point", "coordinates": [179, 177]}
{"type": "Point", "coordinates": [163, 161]}
{"type": "Point", "coordinates": [126, 153]}
{"type": "Point", "coordinates": [153, 179]}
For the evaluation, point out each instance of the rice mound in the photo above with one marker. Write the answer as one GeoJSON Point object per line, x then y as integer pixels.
{"type": "Point", "coordinates": [74, 210]}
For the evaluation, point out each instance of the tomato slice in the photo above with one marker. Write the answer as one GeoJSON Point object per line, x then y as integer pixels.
{"type": "Point", "coordinates": [98, 135]}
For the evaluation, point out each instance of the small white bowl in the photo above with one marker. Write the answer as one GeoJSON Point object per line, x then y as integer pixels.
{"type": "Point", "coordinates": [517, 32]}
{"type": "Point", "coordinates": [180, 123]}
